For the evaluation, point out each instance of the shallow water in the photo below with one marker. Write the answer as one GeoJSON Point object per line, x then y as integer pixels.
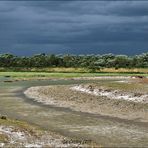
{"type": "Point", "coordinates": [104, 130]}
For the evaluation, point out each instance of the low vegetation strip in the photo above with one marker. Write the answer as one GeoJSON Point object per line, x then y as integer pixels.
{"type": "Point", "coordinates": [75, 70]}
{"type": "Point", "coordinates": [46, 75]}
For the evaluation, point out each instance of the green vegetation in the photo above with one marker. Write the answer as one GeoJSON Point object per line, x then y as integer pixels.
{"type": "Point", "coordinates": [36, 75]}
{"type": "Point", "coordinates": [87, 62]}
{"type": "Point", "coordinates": [69, 66]}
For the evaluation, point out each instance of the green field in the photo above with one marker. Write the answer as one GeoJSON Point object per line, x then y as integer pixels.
{"type": "Point", "coordinates": [63, 75]}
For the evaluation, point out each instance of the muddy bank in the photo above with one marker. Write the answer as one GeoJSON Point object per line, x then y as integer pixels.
{"type": "Point", "coordinates": [87, 101]}
{"type": "Point", "coordinates": [112, 94]}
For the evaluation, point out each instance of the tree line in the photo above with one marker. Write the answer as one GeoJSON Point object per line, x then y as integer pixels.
{"type": "Point", "coordinates": [77, 61]}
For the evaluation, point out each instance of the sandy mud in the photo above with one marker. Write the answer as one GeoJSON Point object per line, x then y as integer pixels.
{"type": "Point", "coordinates": [94, 99]}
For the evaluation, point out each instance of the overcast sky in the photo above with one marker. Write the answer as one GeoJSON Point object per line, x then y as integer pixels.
{"type": "Point", "coordinates": [73, 27]}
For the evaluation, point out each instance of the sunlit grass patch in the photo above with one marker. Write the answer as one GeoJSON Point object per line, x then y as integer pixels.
{"type": "Point", "coordinates": [73, 72]}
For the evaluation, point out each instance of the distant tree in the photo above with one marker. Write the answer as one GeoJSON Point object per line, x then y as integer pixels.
{"type": "Point", "coordinates": [87, 61]}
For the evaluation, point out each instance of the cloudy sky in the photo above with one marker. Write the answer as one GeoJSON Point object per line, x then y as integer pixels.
{"type": "Point", "coordinates": [76, 27]}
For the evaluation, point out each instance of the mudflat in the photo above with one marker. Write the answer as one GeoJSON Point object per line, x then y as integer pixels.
{"type": "Point", "coordinates": [127, 98]}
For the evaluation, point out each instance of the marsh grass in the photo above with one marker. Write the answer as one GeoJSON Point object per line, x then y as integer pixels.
{"type": "Point", "coordinates": [125, 70]}
{"type": "Point", "coordinates": [73, 70]}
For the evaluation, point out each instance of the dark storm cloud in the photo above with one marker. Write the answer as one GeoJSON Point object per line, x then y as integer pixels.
{"type": "Point", "coordinates": [28, 27]}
